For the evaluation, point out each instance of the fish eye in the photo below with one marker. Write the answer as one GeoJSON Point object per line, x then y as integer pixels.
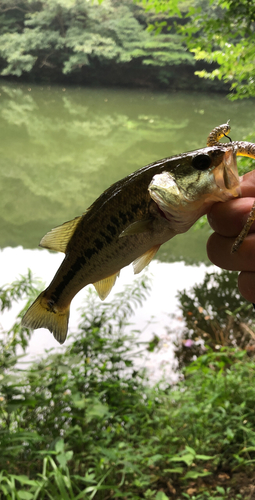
{"type": "Point", "coordinates": [201, 162]}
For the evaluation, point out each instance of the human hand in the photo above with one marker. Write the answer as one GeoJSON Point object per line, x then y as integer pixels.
{"type": "Point", "coordinates": [227, 220]}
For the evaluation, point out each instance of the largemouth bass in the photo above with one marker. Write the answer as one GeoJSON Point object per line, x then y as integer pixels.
{"type": "Point", "coordinates": [130, 221]}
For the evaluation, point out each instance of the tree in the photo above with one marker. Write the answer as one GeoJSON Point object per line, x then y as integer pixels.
{"type": "Point", "coordinates": [222, 34]}
{"type": "Point", "coordinates": [67, 36]}
{"type": "Point", "coordinates": [227, 40]}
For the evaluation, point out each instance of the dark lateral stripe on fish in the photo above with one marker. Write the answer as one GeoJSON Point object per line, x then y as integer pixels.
{"type": "Point", "coordinates": [115, 221]}
{"type": "Point", "coordinates": [136, 207]}
{"type": "Point", "coordinates": [111, 229]}
{"type": "Point", "coordinates": [79, 263]}
{"type": "Point", "coordinates": [107, 238]}
{"type": "Point", "coordinates": [99, 244]}
{"type": "Point", "coordinates": [87, 254]}
{"type": "Point", "coordinates": [90, 252]}
{"type": "Point", "coordinates": [123, 217]}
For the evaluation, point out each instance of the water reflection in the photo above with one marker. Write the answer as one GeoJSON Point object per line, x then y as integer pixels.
{"type": "Point", "coordinates": [60, 148]}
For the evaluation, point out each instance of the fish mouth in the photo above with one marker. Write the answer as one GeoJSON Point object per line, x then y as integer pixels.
{"type": "Point", "coordinates": [226, 177]}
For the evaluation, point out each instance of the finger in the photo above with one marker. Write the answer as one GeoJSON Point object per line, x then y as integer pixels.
{"type": "Point", "coordinates": [247, 183]}
{"type": "Point", "coordinates": [219, 252]}
{"type": "Point", "coordinates": [229, 218]}
{"type": "Point", "coordinates": [246, 285]}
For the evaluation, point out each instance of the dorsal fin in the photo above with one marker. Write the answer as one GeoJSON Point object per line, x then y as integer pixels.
{"type": "Point", "coordinates": [59, 237]}
{"type": "Point", "coordinates": [141, 262]}
{"type": "Point", "coordinates": [103, 287]}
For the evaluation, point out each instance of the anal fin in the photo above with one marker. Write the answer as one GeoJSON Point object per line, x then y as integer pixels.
{"type": "Point", "coordinates": [141, 262]}
{"type": "Point", "coordinates": [103, 287]}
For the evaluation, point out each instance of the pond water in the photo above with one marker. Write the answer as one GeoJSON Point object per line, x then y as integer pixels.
{"type": "Point", "coordinates": [62, 147]}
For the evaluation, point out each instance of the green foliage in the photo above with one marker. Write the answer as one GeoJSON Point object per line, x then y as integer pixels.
{"type": "Point", "coordinates": [26, 288]}
{"type": "Point", "coordinates": [84, 423]}
{"type": "Point", "coordinates": [215, 315]}
{"type": "Point", "coordinates": [172, 8]}
{"type": "Point", "coordinates": [221, 33]}
{"type": "Point", "coordinates": [226, 38]}
{"type": "Point", "coordinates": [65, 36]}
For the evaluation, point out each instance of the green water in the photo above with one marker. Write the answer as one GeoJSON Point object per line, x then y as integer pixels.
{"type": "Point", "coordinates": [61, 147]}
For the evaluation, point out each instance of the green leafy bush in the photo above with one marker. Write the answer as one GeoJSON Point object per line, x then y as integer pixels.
{"type": "Point", "coordinates": [84, 423]}
{"type": "Point", "coordinates": [215, 314]}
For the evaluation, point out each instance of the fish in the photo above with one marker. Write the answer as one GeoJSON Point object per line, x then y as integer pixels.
{"type": "Point", "coordinates": [128, 223]}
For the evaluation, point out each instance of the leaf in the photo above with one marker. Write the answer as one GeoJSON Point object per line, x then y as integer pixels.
{"type": "Point", "coordinates": [25, 480]}
{"type": "Point", "coordinates": [88, 478]}
{"type": "Point", "coordinates": [188, 459]}
{"type": "Point", "coordinates": [192, 474]}
{"type": "Point", "coordinates": [204, 457]}
{"type": "Point", "coordinates": [154, 459]}
{"type": "Point", "coordinates": [63, 458]}
{"type": "Point", "coordinates": [221, 490]}
{"type": "Point", "coordinates": [176, 470]}
{"type": "Point", "coordinates": [249, 448]}
{"type": "Point", "coordinates": [25, 495]}
{"type": "Point", "coordinates": [161, 496]}
{"type": "Point", "coordinates": [59, 447]}
{"type": "Point", "coordinates": [190, 450]}
{"type": "Point", "coordinates": [96, 410]}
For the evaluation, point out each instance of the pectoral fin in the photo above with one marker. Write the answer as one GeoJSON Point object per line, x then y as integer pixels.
{"type": "Point", "coordinates": [103, 287]}
{"type": "Point", "coordinates": [59, 237]}
{"type": "Point", "coordinates": [141, 262]}
{"type": "Point", "coordinates": [140, 226]}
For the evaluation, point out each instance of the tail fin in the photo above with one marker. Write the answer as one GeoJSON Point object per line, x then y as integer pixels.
{"type": "Point", "coordinates": [41, 315]}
